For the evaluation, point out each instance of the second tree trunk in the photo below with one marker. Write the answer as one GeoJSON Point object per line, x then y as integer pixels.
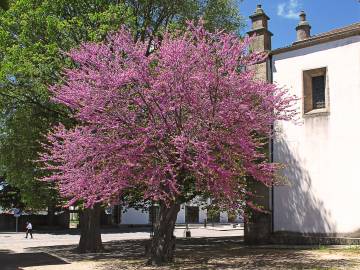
{"type": "Point", "coordinates": [163, 242]}
{"type": "Point", "coordinates": [90, 238]}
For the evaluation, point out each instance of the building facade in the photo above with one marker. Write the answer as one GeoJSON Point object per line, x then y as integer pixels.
{"type": "Point", "coordinates": [192, 212]}
{"type": "Point", "coordinates": [319, 193]}
{"type": "Point", "coordinates": [321, 152]}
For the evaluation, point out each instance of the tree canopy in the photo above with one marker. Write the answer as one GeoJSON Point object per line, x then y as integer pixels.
{"type": "Point", "coordinates": [33, 36]}
{"type": "Point", "coordinates": [188, 118]}
{"type": "Point", "coordinates": [186, 112]}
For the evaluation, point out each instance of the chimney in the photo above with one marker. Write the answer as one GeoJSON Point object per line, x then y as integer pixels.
{"type": "Point", "coordinates": [259, 19]}
{"type": "Point", "coordinates": [259, 28]}
{"type": "Point", "coordinates": [303, 28]}
{"type": "Point", "coordinates": [258, 228]}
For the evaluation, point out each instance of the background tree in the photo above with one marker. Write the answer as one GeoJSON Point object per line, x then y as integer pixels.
{"type": "Point", "coordinates": [33, 35]}
{"type": "Point", "coordinates": [153, 17]}
{"type": "Point", "coordinates": [4, 4]}
{"type": "Point", "coordinates": [184, 120]}
{"type": "Point", "coordinates": [9, 196]}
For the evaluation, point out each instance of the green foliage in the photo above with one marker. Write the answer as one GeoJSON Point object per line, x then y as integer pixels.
{"type": "Point", "coordinates": [213, 213]}
{"type": "Point", "coordinates": [19, 146]}
{"type": "Point", "coordinates": [9, 196]}
{"type": "Point", "coordinates": [33, 36]}
{"type": "Point", "coordinates": [4, 4]}
{"type": "Point", "coordinates": [218, 14]}
{"type": "Point", "coordinates": [222, 14]}
{"type": "Point", "coordinates": [152, 17]}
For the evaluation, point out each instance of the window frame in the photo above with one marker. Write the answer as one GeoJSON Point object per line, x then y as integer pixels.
{"type": "Point", "coordinates": [307, 91]}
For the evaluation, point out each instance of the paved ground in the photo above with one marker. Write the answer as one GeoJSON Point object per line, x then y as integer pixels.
{"type": "Point", "coordinates": [211, 248]}
{"type": "Point", "coordinates": [57, 248]}
{"type": "Point", "coordinates": [17, 243]}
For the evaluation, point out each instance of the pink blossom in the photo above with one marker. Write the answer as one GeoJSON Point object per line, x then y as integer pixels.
{"type": "Point", "coordinates": [192, 109]}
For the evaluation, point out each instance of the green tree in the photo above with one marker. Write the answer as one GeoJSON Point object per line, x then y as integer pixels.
{"type": "Point", "coordinates": [222, 14]}
{"type": "Point", "coordinates": [33, 35]}
{"type": "Point", "coordinates": [9, 196]}
{"type": "Point", "coordinates": [4, 4]}
{"type": "Point", "coordinates": [154, 16]}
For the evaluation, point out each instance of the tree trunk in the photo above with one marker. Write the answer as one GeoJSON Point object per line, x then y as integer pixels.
{"type": "Point", "coordinates": [90, 238]}
{"type": "Point", "coordinates": [51, 216]}
{"type": "Point", "coordinates": [163, 243]}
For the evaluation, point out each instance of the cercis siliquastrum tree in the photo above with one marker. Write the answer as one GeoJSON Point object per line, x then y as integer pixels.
{"type": "Point", "coordinates": [190, 110]}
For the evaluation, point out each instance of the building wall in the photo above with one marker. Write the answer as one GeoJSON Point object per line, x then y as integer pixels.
{"type": "Point", "coordinates": [223, 217]}
{"type": "Point", "coordinates": [181, 215]}
{"type": "Point", "coordinates": [321, 153]}
{"type": "Point", "coordinates": [133, 216]}
{"type": "Point", "coordinates": [136, 217]}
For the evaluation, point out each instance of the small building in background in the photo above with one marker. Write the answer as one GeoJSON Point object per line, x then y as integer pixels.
{"type": "Point", "coordinates": [192, 212]}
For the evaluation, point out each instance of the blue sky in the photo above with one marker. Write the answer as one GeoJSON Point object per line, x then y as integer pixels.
{"type": "Point", "coordinates": [323, 15]}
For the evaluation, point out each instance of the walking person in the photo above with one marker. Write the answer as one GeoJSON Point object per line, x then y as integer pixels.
{"type": "Point", "coordinates": [28, 229]}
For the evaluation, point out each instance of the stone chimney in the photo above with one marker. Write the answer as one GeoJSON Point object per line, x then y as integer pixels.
{"type": "Point", "coordinates": [258, 228]}
{"type": "Point", "coordinates": [259, 28]}
{"type": "Point", "coordinates": [303, 28]}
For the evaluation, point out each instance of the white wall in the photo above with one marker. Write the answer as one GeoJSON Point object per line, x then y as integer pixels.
{"type": "Point", "coordinates": [181, 215]}
{"type": "Point", "coordinates": [322, 153]}
{"type": "Point", "coordinates": [223, 217]}
{"type": "Point", "coordinates": [133, 216]}
{"type": "Point", "coordinates": [202, 215]}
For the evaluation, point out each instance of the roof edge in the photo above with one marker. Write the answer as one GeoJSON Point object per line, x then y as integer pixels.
{"type": "Point", "coordinates": [336, 34]}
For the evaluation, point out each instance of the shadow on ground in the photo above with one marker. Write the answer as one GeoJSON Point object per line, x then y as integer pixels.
{"type": "Point", "coordinates": [209, 253]}
{"type": "Point", "coordinates": [12, 261]}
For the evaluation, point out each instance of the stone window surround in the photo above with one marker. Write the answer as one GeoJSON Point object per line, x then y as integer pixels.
{"type": "Point", "coordinates": [307, 74]}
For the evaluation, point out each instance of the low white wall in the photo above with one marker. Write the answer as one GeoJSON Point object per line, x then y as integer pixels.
{"type": "Point", "coordinates": [202, 215]}
{"type": "Point", "coordinates": [133, 216]}
{"type": "Point", "coordinates": [223, 217]}
{"type": "Point", "coordinates": [181, 215]}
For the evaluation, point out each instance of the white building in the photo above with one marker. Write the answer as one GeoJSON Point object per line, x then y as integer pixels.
{"type": "Point", "coordinates": [321, 153]}
{"type": "Point", "coordinates": [320, 194]}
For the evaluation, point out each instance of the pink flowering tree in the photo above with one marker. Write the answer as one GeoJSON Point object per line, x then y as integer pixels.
{"type": "Point", "coordinates": [189, 119]}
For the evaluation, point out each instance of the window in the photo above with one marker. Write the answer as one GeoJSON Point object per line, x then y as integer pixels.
{"type": "Point", "coordinates": [315, 91]}
{"type": "Point", "coordinates": [191, 214]}
{"type": "Point", "coordinates": [318, 93]}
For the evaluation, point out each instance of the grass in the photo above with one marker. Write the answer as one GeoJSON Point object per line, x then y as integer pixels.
{"type": "Point", "coordinates": [351, 249]}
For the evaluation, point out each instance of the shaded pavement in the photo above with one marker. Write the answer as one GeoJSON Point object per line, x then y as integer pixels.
{"type": "Point", "coordinates": [14, 261]}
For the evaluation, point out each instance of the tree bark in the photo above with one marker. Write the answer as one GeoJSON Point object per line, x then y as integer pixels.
{"type": "Point", "coordinates": [51, 216]}
{"type": "Point", "coordinates": [163, 242]}
{"type": "Point", "coordinates": [90, 238]}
